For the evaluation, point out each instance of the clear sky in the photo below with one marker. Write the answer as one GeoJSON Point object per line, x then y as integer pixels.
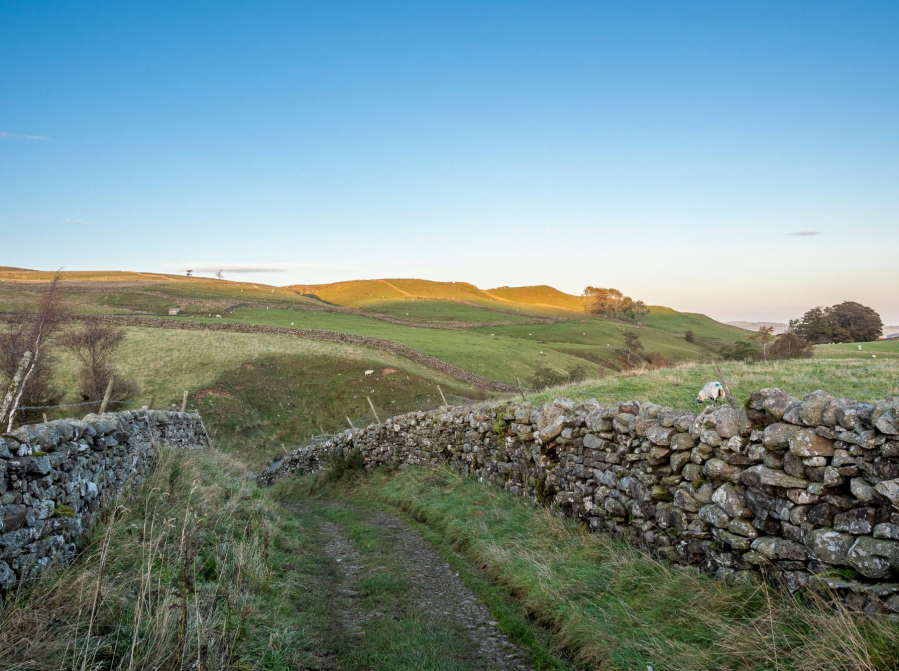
{"type": "Point", "coordinates": [674, 150]}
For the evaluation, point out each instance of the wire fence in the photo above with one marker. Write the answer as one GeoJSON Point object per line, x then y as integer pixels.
{"type": "Point", "coordinates": [84, 403]}
{"type": "Point", "coordinates": [392, 410]}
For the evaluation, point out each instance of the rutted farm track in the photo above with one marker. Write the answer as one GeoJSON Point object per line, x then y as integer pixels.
{"type": "Point", "coordinates": [397, 601]}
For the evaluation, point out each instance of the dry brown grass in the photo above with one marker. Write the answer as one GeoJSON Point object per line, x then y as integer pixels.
{"type": "Point", "coordinates": [169, 584]}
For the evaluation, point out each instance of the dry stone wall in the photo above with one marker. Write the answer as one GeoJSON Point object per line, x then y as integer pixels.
{"type": "Point", "coordinates": [805, 490]}
{"type": "Point", "coordinates": [57, 477]}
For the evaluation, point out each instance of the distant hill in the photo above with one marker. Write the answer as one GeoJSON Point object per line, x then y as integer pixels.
{"type": "Point", "coordinates": [539, 295]}
{"type": "Point", "coordinates": [538, 300]}
{"type": "Point", "coordinates": [779, 327]}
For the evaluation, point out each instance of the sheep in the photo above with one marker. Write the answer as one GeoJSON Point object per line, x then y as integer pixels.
{"type": "Point", "coordinates": [712, 391]}
{"type": "Point", "coordinates": [369, 373]}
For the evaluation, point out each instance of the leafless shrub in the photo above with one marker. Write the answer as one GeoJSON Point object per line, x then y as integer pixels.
{"type": "Point", "coordinates": [94, 344]}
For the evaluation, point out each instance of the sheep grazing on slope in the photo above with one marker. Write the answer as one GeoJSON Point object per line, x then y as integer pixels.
{"type": "Point", "coordinates": [369, 373]}
{"type": "Point", "coordinates": [712, 391]}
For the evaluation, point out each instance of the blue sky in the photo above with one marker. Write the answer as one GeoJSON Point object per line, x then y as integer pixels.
{"type": "Point", "coordinates": [666, 149]}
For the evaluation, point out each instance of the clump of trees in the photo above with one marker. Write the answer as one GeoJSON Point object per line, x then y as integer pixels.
{"type": "Point", "coordinates": [768, 347]}
{"type": "Point", "coordinates": [613, 304]}
{"type": "Point", "coordinates": [790, 346]}
{"type": "Point", "coordinates": [739, 351]}
{"type": "Point", "coordinates": [846, 322]}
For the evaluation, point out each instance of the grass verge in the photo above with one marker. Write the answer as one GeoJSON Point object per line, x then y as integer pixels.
{"type": "Point", "coordinates": [197, 571]}
{"type": "Point", "coordinates": [614, 607]}
{"type": "Point", "coordinates": [859, 379]}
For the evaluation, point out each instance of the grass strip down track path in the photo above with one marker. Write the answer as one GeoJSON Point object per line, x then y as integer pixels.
{"type": "Point", "coordinates": [311, 334]}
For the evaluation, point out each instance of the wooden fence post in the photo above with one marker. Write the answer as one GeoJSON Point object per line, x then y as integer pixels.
{"type": "Point", "coordinates": [372, 406]}
{"type": "Point", "coordinates": [184, 401]}
{"type": "Point", "coordinates": [350, 423]}
{"type": "Point", "coordinates": [442, 396]}
{"type": "Point", "coordinates": [520, 390]}
{"type": "Point", "coordinates": [106, 397]}
{"type": "Point", "coordinates": [730, 397]}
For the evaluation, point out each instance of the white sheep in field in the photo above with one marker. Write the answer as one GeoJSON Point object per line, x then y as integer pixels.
{"type": "Point", "coordinates": [712, 391]}
{"type": "Point", "coordinates": [369, 373]}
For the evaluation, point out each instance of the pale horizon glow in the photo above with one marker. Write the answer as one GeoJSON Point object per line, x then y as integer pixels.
{"type": "Point", "coordinates": [735, 160]}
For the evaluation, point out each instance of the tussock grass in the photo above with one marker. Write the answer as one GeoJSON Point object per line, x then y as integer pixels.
{"type": "Point", "coordinates": [187, 574]}
{"type": "Point", "coordinates": [615, 607]}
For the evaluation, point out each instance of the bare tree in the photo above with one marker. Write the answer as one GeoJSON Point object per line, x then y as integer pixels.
{"type": "Point", "coordinates": [30, 337]}
{"type": "Point", "coordinates": [94, 344]}
{"type": "Point", "coordinates": [219, 275]}
{"type": "Point", "coordinates": [634, 346]}
{"type": "Point", "coordinates": [15, 383]}
{"type": "Point", "coordinates": [763, 337]}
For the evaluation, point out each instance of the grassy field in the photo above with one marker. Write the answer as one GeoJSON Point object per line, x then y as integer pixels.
{"type": "Point", "coordinates": [702, 326]}
{"type": "Point", "coordinates": [860, 379]}
{"type": "Point", "coordinates": [882, 349]}
{"type": "Point", "coordinates": [541, 296]}
{"type": "Point", "coordinates": [104, 292]}
{"type": "Point", "coordinates": [598, 339]}
{"type": "Point", "coordinates": [438, 310]}
{"type": "Point", "coordinates": [265, 394]}
{"type": "Point", "coordinates": [270, 406]}
{"type": "Point", "coordinates": [541, 301]}
{"type": "Point", "coordinates": [166, 362]}
{"type": "Point", "coordinates": [500, 358]}
{"type": "Point", "coordinates": [610, 605]}
{"type": "Point", "coordinates": [361, 293]}
{"type": "Point", "coordinates": [502, 352]}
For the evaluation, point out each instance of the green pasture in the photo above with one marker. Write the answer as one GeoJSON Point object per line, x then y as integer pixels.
{"type": "Point", "coordinates": [502, 357]}
{"type": "Point", "coordinates": [859, 379]}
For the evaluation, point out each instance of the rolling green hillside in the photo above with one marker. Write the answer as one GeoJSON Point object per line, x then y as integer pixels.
{"type": "Point", "coordinates": [702, 326]}
{"type": "Point", "coordinates": [542, 295]}
{"type": "Point", "coordinates": [104, 292]}
{"type": "Point", "coordinates": [540, 301]}
{"type": "Point", "coordinates": [505, 353]}
{"type": "Point", "coordinates": [502, 357]}
{"type": "Point", "coordinates": [430, 310]}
